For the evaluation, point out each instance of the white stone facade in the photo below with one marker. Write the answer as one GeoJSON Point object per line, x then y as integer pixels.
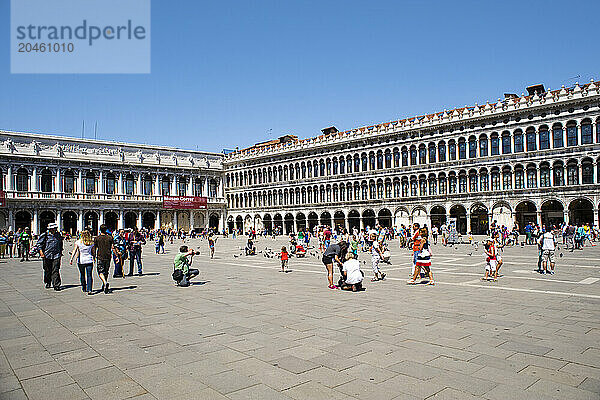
{"type": "Point", "coordinates": [525, 158]}
{"type": "Point", "coordinates": [84, 182]}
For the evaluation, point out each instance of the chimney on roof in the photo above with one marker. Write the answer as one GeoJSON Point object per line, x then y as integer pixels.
{"type": "Point", "coordinates": [510, 96]}
{"type": "Point", "coordinates": [533, 89]}
{"type": "Point", "coordinates": [329, 130]}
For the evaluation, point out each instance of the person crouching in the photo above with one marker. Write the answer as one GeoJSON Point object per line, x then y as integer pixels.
{"type": "Point", "coordinates": [351, 274]}
{"type": "Point", "coordinates": [182, 273]}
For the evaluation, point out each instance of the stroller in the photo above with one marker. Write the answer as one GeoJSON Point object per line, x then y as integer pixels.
{"type": "Point", "coordinates": [300, 251]}
{"type": "Point", "coordinates": [386, 255]}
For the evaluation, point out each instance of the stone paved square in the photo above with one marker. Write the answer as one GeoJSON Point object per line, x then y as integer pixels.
{"type": "Point", "coordinates": [243, 330]}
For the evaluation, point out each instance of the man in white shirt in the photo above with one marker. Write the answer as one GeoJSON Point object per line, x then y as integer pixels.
{"type": "Point", "coordinates": [352, 274]}
{"type": "Point", "coordinates": [548, 244]}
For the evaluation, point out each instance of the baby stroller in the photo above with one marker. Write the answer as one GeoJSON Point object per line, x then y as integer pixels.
{"type": "Point", "coordinates": [300, 251]}
{"type": "Point", "coordinates": [386, 255]}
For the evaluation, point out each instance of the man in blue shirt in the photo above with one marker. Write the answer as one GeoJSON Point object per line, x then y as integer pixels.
{"type": "Point", "coordinates": [50, 245]}
{"type": "Point", "coordinates": [528, 230]}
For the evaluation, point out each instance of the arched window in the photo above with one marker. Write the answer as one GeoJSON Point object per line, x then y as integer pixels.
{"type": "Point", "coordinates": [45, 181]}
{"type": "Point", "coordinates": [544, 175]}
{"type": "Point", "coordinates": [518, 139]}
{"type": "Point", "coordinates": [544, 138]}
{"type": "Point", "coordinates": [495, 179]}
{"type": "Point", "coordinates": [342, 165]}
{"type": "Point", "coordinates": [396, 188]}
{"type": "Point", "coordinates": [572, 174]}
{"type": "Point", "coordinates": [462, 182]}
{"type": "Point", "coordinates": [462, 149]}
{"type": "Point", "coordinates": [110, 185]}
{"type": "Point", "coordinates": [587, 172]}
{"type": "Point", "coordinates": [69, 182]}
{"type": "Point", "coordinates": [572, 134]}
{"type": "Point", "coordinates": [198, 187]}
{"type": "Point", "coordinates": [586, 132]}
{"type": "Point", "coordinates": [472, 147]}
{"type": "Point", "coordinates": [483, 146]}
{"type": "Point", "coordinates": [371, 161]}
{"type": "Point", "coordinates": [422, 154]}
{"type": "Point", "coordinates": [531, 176]}
{"type": "Point", "coordinates": [147, 185]}
{"type": "Point", "coordinates": [484, 182]}
{"type": "Point", "coordinates": [432, 185]}
{"type": "Point", "coordinates": [442, 151]}
{"type": "Point", "coordinates": [506, 178]}
{"type": "Point", "coordinates": [452, 183]}
{"type": "Point", "coordinates": [90, 182]}
{"type": "Point", "coordinates": [388, 159]}
{"type": "Point", "coordinates": [404, 157]}
{"type": "Point", "coordinates": [388, 189]}
{"type": "Point", "coordinates": [379, 160]}
{"type": "Point", "coordinates": [22, 180]}
{"type": "Point", "coordinates": [559, 174]}
{"type": "Point", "coordinates": [165, 187]}
{"type": "Point", "coordinates": [129, 185]}
{"type": "Point", "coordinates": [557, 136]}
{"type": "Point", "coordinates": [519, 177]}
{"type": "Point", "coordinates": [472, 181]}
{"type": "Point", "coordinates": [452, 150]}
{"type": "Point", "coordinates": [531, 139]}
{"type": "Point", "coordinates": [422, 186]}
{"type": "Point", "coordinates": [372, 190]}
{"type": "Point", "coordinates": [212, 188]}
{"type": "Point", "coordinates": [364, 162]}
{"type": "Point", "coordinates": [357, 163]}
{"type": "Point", "coordinates": [396, 158]}
{"type": "Point", "coordinates": [322, 168]}
{"type": "Point", "coordinates": [413, 187]}
{"type": "Point", "coordinates": [404, 188]}
{"type": "Point", "coordinates": [335, 166]}
{"type": "Point", "coordinates": [432, 153]}
{"type": "Point", "coordinates": [506, 147]}
{"type": "Point", "coordinates": [494, 144]}
{"type": "Point", "coordinates": [413, 155]}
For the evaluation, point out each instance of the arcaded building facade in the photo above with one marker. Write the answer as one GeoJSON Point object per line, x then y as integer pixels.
{"type": "Point", "coordinates": [84, 183]}
{"type": "Point", "coordinates": [533, 157]}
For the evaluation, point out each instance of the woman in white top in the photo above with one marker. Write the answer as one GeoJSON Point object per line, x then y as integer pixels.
{"type": "Point", "coordinates": [85, 262]}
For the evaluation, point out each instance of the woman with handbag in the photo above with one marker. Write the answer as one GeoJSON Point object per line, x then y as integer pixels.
{"type": "Point", "coordinates": [423, 259]}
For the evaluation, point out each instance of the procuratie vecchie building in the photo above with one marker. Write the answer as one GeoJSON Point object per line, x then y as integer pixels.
{"type": "Point", "coordinates": [528, 158]}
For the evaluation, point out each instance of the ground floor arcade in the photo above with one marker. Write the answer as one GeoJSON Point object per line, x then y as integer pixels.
{"type": "Point", "coordinates": [72, 220]}
{"type": "Point", "coordinates": [471, 216]}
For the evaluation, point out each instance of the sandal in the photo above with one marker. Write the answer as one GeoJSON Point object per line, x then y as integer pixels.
{"type": "Point", "coordinates": [375, 279]}
{"type": "Point", "coordinates": [411, 282]}
{"type": "Point", "coordinates": [382, 276]}
{"type": "Point", "coordinates": [332, 287]}
{"type": "Point", "coordinates": [431, 282]}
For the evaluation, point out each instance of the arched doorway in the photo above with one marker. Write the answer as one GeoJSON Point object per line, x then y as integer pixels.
{"type": "Point", "coordinates": [325, 218]}
{"type": "Point", "coordinates": [289, 223]}
{"type": "Point", "coordinates": [479, 220]}
{"type": "Point", "coordinates": [458, 211]}
{"type": "Point", "coordinates": [437, 216]}
{"type": "Point", "coordinates": [353, 220]}
{"type": "Point", "coordinates": [248, 224]}
{"type": "Point", "coordinates": [69, 222]}
{"type": "Point", "coordinates": [130, 220]}
{"type": "Point", "coordinates": [46, 217]}
{"type": "Point", "coordinates": [385, 218]}
{"type": "Point", "coordinates": [402, 217]}
{"type": "Point", "coordinates": [278, 223]}
{"type": "Point", "coordinates": [230, 224]}
{"type": "Point", "coordinates": [300, 221]}
{"type": "Point", "coordinates": [525, 212]}
{"type": "Point", "coordinates": [111, 220]}
{"type": "Point", "coordinates": [3, 220]}
{"type": "Point", "coordinates": [581, 211]}
{"type": "Point", "coordinates": [553, 213]}
{"type": "Point", "coordinates": [90, 221]}
{"type": "Point", "coordinates": [313, 220]}
{"type": "Point", "coordinates": [22, 220]}
{"type": "Point", "coordinates": [239, 223]}
{"type": "Point", "coordinates": [148, 220]}
{"type": "Point", "coordinates": [339, 220]}
{"type": "Point", "coordinates": [213, 222]}
{"type": "Point", "coordinates": [268, 224]}
{"type": "Point", "coordinates": [368, 218]}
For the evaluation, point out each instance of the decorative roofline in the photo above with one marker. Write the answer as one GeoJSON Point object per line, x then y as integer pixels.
{"type": "Point", "coordinates": [465, 113]}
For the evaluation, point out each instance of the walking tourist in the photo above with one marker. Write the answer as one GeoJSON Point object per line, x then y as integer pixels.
{"type": "Point", "coordinates": [103, 249]}
{"type": "Point", "coordinates": [376, 257]}
{"type": "Point", "coordinates": [136, 240]}
{"type": "Point", "coordinates": [548, 245]}
{"type": "Point", "coordinates": [490, 266]}
{"type": "Point", "coordinates": [24, 244]}
{"type": "Point", "coordinates": [211, 245]}
{"type": "Point", "coordinates": [284, 256]}
{"type": "Point", "coordinates": [423, 259]}
{"type": "Point", "coordinates": [83, 251]}
{"type": "Point", "coordinates": [50, 246]}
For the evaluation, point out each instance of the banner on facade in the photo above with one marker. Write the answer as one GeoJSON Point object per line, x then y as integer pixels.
{"type": "Point", "coordinates": [2, 198]}
{"type": "Point", "coordinates": [184, 202]}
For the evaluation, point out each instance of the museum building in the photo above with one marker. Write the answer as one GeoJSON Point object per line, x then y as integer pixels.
{"type": "Point", "coordinates": [84, 183]}
{"type": "Point", "coordinates": [533, 157]}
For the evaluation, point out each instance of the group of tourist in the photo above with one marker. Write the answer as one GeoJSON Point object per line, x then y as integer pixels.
{"type": "Point", "coordinates": [15, 244]}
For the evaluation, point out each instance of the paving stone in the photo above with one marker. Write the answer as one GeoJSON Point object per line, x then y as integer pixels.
{"type": "Point", "coordinates": [98, 377]}
{"type": "Point", "coordinates": [591, 385]}
{"type": "Point", "coordinates": [40, 383]}
{"type": "Point", "coordinates": [453, 364]}
{"type": "Point", "coordinates": [258, 392]}
{"type": "Point", "coordinates": [115, 390]}
{"type": "Point", "coordinates": [9, 383]}
{"type": "Point", "coordinates": [416, 370]}
{"type": "Point", "coordinates": [18, 394]}
{"type": "Point", "coordinates": [229, 381]}
{"type": "Point", "coordinates": [294, 364]}
{"type": "Point", "coordinates": [558, 390]}
{"type": "Point", "coordinates": [316, 391]}
{"type": "Point", "coordinates": [34, 371]}
{"type": "Point", "coordinates": [553, 375]}
{"type": "Point", "coordinates": [69, 392]}
{"type": "Point", "coordinates": [369, 373]}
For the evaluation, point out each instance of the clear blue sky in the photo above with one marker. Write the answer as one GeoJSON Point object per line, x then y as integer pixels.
{"type": "Point", "coordinates": [224, 73]}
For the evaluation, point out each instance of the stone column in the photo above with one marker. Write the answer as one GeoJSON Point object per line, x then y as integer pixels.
{"type": "Point", "coordinates": [139, 220]}
{"type": "Point", "coordinates": [120, 184]}
{"type": "Point", "coordinates": [551, 176]}
{"type": "Point", "coordinates": [206, 192]}
{"type": "Point", "coordinates": [34, 180]}
{"type": "Point", "coordinates": [158, 224]}
{"type": "Point", "coordinates": [175, 222]}
{"type": "Point", "coordinates": [579, 175]}
{"type": "Point", "coordinates": [58, 184]}
{"type": "Point", "coordinates": [101, 182]}
{"type": "Point", "coordinates": [190, 187]}
{"type": "Point", "coordinates": [80, 219]}
{"type": "Point", "coordinates": [121, 223]}
{"type": "Point", "coordinates": [9, 178]}
{"type": "Point", "coordinates": [173, 189]}
{"type": "Point", "coordinates": [139, 184]}
{"type": "Point", "coordinates": [11, 219]}
{"type": "Point", "coordinates": [35, 224]}
{"type": "Point", "coordinates": [80, 183]}
{"type": "Point", "coordinates": [539, 218]}
{"type": "Point", "coordinates": [596, 217]}
{"type": "Point", "coordinates": [192, 224]}
{"type": "Point", "coordinates": [468, 222]}
{"type": "Point", "coordinates": [59, 220]}
{"type": "Point", "coordinates": [157, 188]}
{"type": "Point", "coordinates": [100, 218]}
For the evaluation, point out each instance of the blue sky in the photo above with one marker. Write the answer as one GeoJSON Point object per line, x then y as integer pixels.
{"type": "Point", "coordinates": [233, 73]}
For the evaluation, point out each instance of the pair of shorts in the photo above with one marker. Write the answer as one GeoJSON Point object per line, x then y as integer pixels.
{"type": "Point", "coordinates": [327, 260]}
{"type": "Point", "coordinates": [548, 255]}
{"type": "Point", "coordinates": [102, 266]}
{"type": "Point", "coordinates": [491, 266]}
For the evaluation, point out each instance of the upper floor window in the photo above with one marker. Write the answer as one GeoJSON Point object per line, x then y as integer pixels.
{"type": "Point", "coordinates": [147, 185]}
{"type": "Point", "coordinates": [46, 181]}
{"type": "Point", "coordinates": [22, 180]}
{"type": "Point", "coordinates": [462, 149]}
{"type": "Point", "coordinates": [413, 156]}
{"type": "Point", "coordinates": [422, 155]}
{"type": "Point", "coordinates": [586, 133]}
{"type": "Point", "coordinates": [495, 145]}
{"type": "Point", "coordinates": [110, 183]}
{"type": "Point", "coordinates": [531, 140]}
{"type": "Point", "coordinates": [518, 139]}
{"type": "Point", "coordinates": [483, 147]}
{"type": "Point", "coordinates": [442, 151]}
{"type": "Point", "coordinates": [69, 182]}
{"type": "Point", "coordinates": [129, 184]}
{"type": "Point", "coordinates": [181, 186]}
{"type": "Point", "coordinates": [90, 182]}
{"type": "Point", "coordinates": [388, 160]}
{"type": "Point", "coordinates": [404, 157]}
{"type": "Point", "coordinates": [432, 155]}
{"type": "Point", "coordinates": [472, 148]}
{"type": "Point", "coordinates": [452, 150]}
{"type": "Point", "coordinates": [165, 186]}
{"type": "Point", "coordinates": [506, 147]}
{"type": "Point", "coordinates": [557, 137]}
{"type": "Point", "coordinates": [571, 135]}
{"type": "Point", "coordinates": [544, 139]}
